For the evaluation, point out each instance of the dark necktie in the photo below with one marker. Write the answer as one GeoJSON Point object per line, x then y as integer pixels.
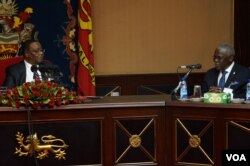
{"type": "Point", "coordinates": [34, 69]}
{"type": "Point", "coordinates": [222, 79]}
{"type": "Point", "coordinates": [36, 75]}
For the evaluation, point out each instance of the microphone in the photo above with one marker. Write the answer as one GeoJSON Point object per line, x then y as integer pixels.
{"type": "Point", "coordinates": [42, 68]}
{"type": "Point", "coordinates": [34, 68]}
{"type": "Point", "coordinates": [57, 71]}
{"type": "Point", "coordinates": [190, 67]}
{"type": "Point", "coordinates": [50, 72]}
{"type": "Point", "coordinates": [194, 66]}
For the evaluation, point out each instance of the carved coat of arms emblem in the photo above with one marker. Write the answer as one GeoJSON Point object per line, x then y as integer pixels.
{"type": "Point", "coordinates": [48, 144]}
{"type": "Point", "coordinates": [14, 28]}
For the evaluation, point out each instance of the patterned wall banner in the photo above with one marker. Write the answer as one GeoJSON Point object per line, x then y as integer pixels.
{"type": "Point", "coordinates": [85, 73]}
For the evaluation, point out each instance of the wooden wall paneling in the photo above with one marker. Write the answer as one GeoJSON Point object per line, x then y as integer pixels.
{"type": "Point", "coordinates": [146, 36]}
{"type": "Point", "coordinates": [132, 84]}
{"type": "Point", "coordinates": [242, 31]}
{"type": "Point", "coordinates": [238, 132]}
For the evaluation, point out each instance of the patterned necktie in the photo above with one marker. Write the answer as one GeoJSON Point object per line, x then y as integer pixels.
{"type": "Point", "coordinates": [36, 76]}
{"type": "Point", "coordinates": [34, 69]}
{"type": "Point", "coordinates": [222, 79]}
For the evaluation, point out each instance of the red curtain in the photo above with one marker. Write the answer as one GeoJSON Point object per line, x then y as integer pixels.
{"type": "Point", "coordinates": [85, 71]}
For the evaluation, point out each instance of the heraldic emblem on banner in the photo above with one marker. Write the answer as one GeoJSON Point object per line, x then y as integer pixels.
{"type": "Point", "coordinates": [14, 28]}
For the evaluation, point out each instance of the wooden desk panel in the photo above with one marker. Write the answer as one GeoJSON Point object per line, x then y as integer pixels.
{"type": "Point", "coordinates": [98, 132]}
{"type": "Point", "coordinates": [140, 130]}
{"type": "Point", "coordinates": [218, 127]}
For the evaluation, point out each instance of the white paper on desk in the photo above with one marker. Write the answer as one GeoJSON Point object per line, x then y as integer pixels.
{"type": "Point", "coordinates": [230, 91]}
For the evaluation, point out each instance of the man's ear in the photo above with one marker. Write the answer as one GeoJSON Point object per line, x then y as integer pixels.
{"type": "Point", "coordinates": [231, 58]}
{"type": "Point", "coordinates": [26, 54]}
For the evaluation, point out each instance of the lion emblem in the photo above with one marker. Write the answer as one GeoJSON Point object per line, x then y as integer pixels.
{"type": "Point", "coordinates": [32, 145]}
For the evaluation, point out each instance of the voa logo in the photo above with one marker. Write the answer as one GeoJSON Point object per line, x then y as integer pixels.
{"type": "Point", "coordinates": [236, 157]}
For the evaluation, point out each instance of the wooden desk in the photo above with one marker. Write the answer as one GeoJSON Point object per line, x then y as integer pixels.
{"type": "Point", "coordinates": [97, 132]}
{"type": "Point", "coordinates": [199, 132]}
{"type": "Point", "coordinates": [143, 130]}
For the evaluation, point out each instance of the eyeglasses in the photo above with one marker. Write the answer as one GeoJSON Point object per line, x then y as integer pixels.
{"type": "Point", "coordinates": [38, 51]}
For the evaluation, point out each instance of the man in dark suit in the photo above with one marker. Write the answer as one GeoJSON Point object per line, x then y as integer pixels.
{"type": "Point", "coordinates": [32, 67]}
{"type": "Point", "coordinates": [226, 73]}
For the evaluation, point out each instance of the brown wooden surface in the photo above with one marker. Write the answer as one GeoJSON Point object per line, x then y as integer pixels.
{"type": "Point", "coordinates": [106, 111]}
{"type": "Point", "coordinates": [219, 114]}
{"type": "Point", "coordinates": [130, 83]}
{"type": "Point", "coordinates": [242, 31]}
{"type": "Point", "coordinates": [132, 109]}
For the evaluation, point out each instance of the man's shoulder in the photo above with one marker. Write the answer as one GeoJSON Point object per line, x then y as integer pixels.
{"type": "Point", "coordinates": [16, 66]}
{"type": "Point", "coordinates": [241, 68]}
{"type": "Point", "coordinates": [212, 71]}
{"type": "Point", "coordinates": [211, 74]}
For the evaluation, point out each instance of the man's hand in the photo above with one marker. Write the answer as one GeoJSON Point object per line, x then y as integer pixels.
{"type": "Point", "coordinates": [215, 89]}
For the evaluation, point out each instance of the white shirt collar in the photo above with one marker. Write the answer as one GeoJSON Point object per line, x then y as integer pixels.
{"type": "Point", "coordinates": [29, 73]}
{"type": "Point", "coordinates": [229, 69]}
{"type": "Point", "coordinates": [27, 64]}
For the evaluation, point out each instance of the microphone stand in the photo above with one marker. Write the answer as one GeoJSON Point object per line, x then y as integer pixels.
{"type": "Point", "coordinates": [174, 91]}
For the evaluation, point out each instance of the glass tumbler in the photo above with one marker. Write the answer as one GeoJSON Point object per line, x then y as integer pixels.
{"type": "Point", "coordinates": [197, 91]}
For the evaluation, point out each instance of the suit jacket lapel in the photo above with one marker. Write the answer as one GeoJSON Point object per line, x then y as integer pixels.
{"type": "Point", "coordinates": [22, 74]}
{"type": "Point", "coordinates": [215, 83]}
{"type": "Point", "coordinates": [231, 76]}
